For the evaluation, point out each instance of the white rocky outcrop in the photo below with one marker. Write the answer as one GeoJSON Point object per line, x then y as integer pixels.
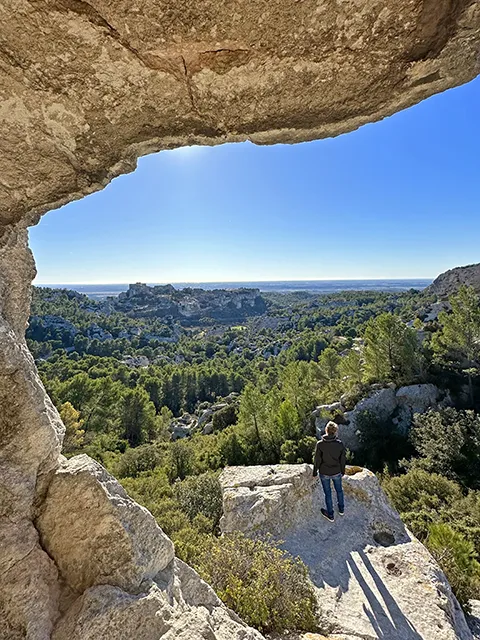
{"type": "Point", "coordinates": [473, 618]}
{"type": "Point", "coordinates": [373, 579]}
{"type": "Point", "coordinates": [390, 403]}
{"type": "Point", "coordinates": [118, 578]}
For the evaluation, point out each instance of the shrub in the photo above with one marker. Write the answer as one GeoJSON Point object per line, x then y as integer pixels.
{"type": "Point", "coordinates": [380, 442]}
{"type": "Point", "coordinates": [297, 452]}
{"type": "Point", "coordinates": [188, 541]}
{"type": "Point", "coordinates": [422, 498]}
{"type": "Point", "coordinates": [135, 461]}
{"type": "Point", "coordinates": [457, 558]}
{"type": "Point", "coordinates": [448, 442]}
{"type": "Point", "coordinates": [266, 586]}
{"type": "Point", "coordinates": [200, 495]}
{"type": "Point", "coordinates": [180, 460]}
{"type": "Point", "coordinates": [225, 417]}
{"type": "Point", "coordinates": [153, 491]}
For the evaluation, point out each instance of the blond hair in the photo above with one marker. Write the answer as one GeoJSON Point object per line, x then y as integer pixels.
{"type": "Point", "coordinates": [331, 428]}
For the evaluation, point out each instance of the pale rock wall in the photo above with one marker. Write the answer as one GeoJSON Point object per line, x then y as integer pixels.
{"type": "Point", "coordinates": [31, 434]}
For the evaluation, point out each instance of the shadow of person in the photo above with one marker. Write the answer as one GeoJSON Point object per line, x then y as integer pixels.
{"type": "Point", "coordinates": [387, 619]}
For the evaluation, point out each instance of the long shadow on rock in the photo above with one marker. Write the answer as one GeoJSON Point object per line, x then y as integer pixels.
{"type": "Point", "coordinates": [387, 619]}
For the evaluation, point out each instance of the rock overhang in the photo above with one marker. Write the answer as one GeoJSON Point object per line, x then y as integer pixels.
{"type": "Point", "coordinates": [87, 87]}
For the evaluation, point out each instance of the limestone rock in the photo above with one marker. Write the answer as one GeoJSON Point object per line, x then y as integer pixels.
{"type": "Point", "coordinates": [119, 577]}
{"type": "Point", "coordinates": [373, 579]}
{"type": "Point", "coordinates": [473, 618]}
{"type": "Point", "coordinates": [251, 495]}
{"type": "Point", "coordinates": [31, 438]}
{"type": "Point", "coordinates": [183, 427]}
{"type": "Point", "coordinates": [29, 590]}
{"type": "Point", "coordinates": [417, 397]}
{"type": "Point", "coordinates": [397, 405]}
{"type": "Point", "coordinates": [177, 605]}
{"type": "Point", "coordinates": [190, 305]}
{"type": "Point", "coordinates": [87, 87]}
{"type": "Point", "coordinates": [451, 281]}
{"type": "Point", "coordinates": [97, 534]}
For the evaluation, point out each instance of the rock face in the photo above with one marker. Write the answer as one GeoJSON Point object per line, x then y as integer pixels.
{"type": "Point", "coordinates": [87, 87]}
{"type": "Point", "coordinates": [473, 618]}
{"type": "Point", "coordinates": [119, 578]}
{"type": "Point", "coordinates": [219, 414]}
{"type": "Point", "coordinates": [373, 579]}
{"type": "Point", "coordinates": [191, 305]}
{"type": "Point", "coordinates": [390, 403]}
{"type": "Point", "coordinates": [451, 281]}
{"type": "Point", "coordinates": [124, 546]}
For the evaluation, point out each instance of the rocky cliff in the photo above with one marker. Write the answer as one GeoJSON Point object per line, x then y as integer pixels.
{"type": "Point", "coordinates": [450, 281]}
{"type": "Point", "coordinates": [87, 87]}
{"type": "Point", "coordinates": [373, 579]}
{"type": "Point", "coordinates": [190, 305]}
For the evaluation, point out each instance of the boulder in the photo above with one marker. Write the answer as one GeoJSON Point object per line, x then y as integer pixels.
{"type": "Point", "coordinates": [207, 429]}
{"type": "Point", "coordinates": [372, 578]}
{"type": "Point", "coordinates": [204, 417]}
{"type": "Point", "coordinates": [417, 397]}
{"type": "Point", "coordinates": [323, 409]}
{"type": "Point", "coordinates": [183, 427]}
{"type": "Point", "coordinates": [252, 495]}
{"type": "Point", "coordinates": [118, 574]}
{"type": "Point", "coordinates": [96, 533]}
{"type": "Point", "coordinates": [389, 403]}
{"type": "Point", "coordinates": [178, 605]}
{"type": "Point", "coordinates": [382, 403]}
{"type": "Point", "coordinates": [29, 591]}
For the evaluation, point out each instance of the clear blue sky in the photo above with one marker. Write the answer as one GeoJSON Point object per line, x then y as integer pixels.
{"type": "Point", "coordinates": [396, 199]}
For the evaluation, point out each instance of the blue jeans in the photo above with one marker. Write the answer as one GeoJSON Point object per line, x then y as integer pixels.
{"type": "Point", "coordinates": [327, 489]}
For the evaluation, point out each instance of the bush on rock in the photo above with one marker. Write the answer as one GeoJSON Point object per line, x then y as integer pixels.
{"type": "Point", "coordinates": [268, 588]}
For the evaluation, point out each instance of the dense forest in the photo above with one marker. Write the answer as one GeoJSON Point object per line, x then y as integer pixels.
{"type": "Point", "coordinates": [165, 404]}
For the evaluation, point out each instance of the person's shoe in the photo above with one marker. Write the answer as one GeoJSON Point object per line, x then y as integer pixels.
{"type": "Point", "coordinates": [326, 515]}
{"type": "Point", "coordinates": [341, 513]}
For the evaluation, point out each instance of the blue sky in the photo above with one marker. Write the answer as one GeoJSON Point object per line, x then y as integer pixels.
{"type": "Point", "coordinates": [396, 199]}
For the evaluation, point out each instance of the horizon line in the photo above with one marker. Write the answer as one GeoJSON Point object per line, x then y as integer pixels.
{"type": "Point", "coordinates": [45, 284]}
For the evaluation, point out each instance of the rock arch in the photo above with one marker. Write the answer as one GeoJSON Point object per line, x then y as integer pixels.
{"type": "Point", "coordinates": [88, 86]}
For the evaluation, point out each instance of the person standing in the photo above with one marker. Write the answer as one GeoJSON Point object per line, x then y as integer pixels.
{"type": "Point", "coordinates": [329, 463]}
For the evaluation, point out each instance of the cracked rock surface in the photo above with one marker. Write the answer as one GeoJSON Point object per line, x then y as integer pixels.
{"type": "Point", "coordinates": [373, 579]}
{"type": "Point", "coordinates": [119, 578]}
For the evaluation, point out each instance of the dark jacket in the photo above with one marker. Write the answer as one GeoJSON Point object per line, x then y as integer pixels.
{"type": "Point", "coordinates": [330, 457]}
